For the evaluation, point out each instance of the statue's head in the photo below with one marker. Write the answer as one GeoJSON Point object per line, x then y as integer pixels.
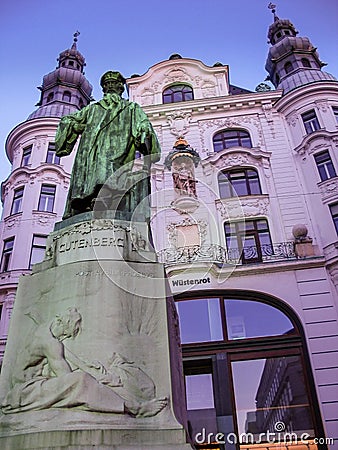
{"type": "Point", "coordinates": [66, 325]}
{"type": "Point", "coordinates": [112, 82]}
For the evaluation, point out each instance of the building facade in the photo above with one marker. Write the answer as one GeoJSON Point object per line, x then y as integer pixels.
{"type": "Point", "coordinates": [245, 219]}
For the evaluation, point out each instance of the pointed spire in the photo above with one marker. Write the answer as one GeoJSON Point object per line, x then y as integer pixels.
{"type": "Point", "coordinates": [75, 35]}
{"type": "Point", "coordinates": [273, 10]}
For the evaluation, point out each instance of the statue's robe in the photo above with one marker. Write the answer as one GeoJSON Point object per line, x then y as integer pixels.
{"type": "Point", "coordinates": [111, 133]}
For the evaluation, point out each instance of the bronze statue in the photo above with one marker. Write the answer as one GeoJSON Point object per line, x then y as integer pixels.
{"type": "Point", "coordinates": [112, 131]}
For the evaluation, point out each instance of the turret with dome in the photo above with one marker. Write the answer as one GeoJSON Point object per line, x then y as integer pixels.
{"type": "Point", "coordinates": [66, 89]}
{"type": "Point", "coordinates": [292, 61]}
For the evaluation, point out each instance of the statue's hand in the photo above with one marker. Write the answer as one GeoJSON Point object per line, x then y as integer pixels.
{"type": "Point", "coordinates": [110, 379]}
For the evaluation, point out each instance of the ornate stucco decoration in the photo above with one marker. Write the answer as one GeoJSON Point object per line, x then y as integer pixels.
{"type": "Point", "coordinates": [208, 128]}
{"type": "Point", "coordinates": [319, 140]}
{"type": "Point", "coordinates": [329, 189]}
{"type": "Point", "coordinates": [179, 123]}
{"type": "Point", "coordinates": [12, 222]}
{"type": "Point", "coordinates": [43, 219]}
{"type": "Point", "coordinates": [239, 207]}
{"type": "Point", "coordinates": [147, 97]}
{"type": "Point", "coordinates": [175, 227]}
{"type": "Point", "coordinates": [177, 73]}
{"type": "Point", "coordinates": [292, 119]}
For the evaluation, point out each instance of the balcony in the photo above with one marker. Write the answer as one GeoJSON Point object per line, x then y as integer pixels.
{"type": "Point", "coordinates": [213, 253]}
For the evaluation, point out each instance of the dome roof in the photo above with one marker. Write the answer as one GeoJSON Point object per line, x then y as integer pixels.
{"type": "Point", "coordinates": [301, 78]}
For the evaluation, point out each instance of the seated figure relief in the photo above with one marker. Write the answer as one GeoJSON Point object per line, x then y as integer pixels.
{"type": "Point", "coordinates": [44, 377]}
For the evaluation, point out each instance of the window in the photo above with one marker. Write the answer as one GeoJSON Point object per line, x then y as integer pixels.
{"type": "Point", "coordinates": [7, 254]}
{"type": "Point", "coordinates": [305, 62]}
{"type": "Point", "coordinates": [51, 154]}
{"type": "Point", "coordinates": [335, 112]}
{"type": "Point", "coordinates": [310, 121]}
{"type": "Point", "coordinates": [248, 241]}
{"type": "Point", "coordinates": [325, 165]}
{"type": "Point", "coordinates": [288, 67]}
{"type": "Point", "coordinates": [66, 97]}
{"type": "Point", "coordinates": [231, 138]}
{"type": "Point", "coordinates": [17, 200]}
{"type": "Point", "coordinates": [238, 182]}
{"type": "Point", "coordinates": [50, 97]}
{"type": "Point", "coordinates": [334, 214]}
{"type": "Point", "coordinates": [47, 197]}
{"type": "Point", "coordinates": [255, 376]}
{"type": "Point", "coordinates": [26, 156]}
{"type": "Point", "coordinates": [38, 249]}
{"type": "Point", "coordinates": [178, 93]}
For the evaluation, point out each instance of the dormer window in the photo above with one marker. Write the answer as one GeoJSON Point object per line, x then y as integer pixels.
{"type": "Point", "coordinates": [66, 96]}
{"type": "Point", "coordinates": [305, 62]}
{"type": "Point", "coordinates": [178, 93]}
{"type": "Point", "coordinates": [50, 97]}
{"type": "Point", "coordinates": [288, 67]}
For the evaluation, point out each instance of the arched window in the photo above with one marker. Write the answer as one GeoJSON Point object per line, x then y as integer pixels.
{"type": "Point", "coordinates": [178, 93]}
{"type": "Point", "coordinates": [66, 96]}
{"type": "Point", "coordinates": [238, 182]}
{"type": "Point", "coordinates": [305, 62]}
{"type": "Point", "coordinates": [288, 67]}
{"type": "Point", "coordinates": [245, 368]}
{"type": "Point", "coordinates": [231, 138]}
{"type": "Point", "coordinates": [50, 97]}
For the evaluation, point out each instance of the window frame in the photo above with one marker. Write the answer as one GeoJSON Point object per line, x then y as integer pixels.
{"type": "Point", "coordinates": [6, 255]}
{"type": "Point", "coordinates": [51, 157]}
{"type": "Point", "coordinates": [248, 182]}
{"type": "Point", "coordinates": [36, 246]}
{"type": "Point", "coordinates": [242, 233]}
{"type": "Point", "coordinates": [26, 155]}
{"type": "Point", "coordinates": [45, 197]}
{"type": "Point", "coordinates": [183, 90]}
{"type": "Point", "coordinates": [201, 353]}
{"type": "Point", "coordinates": [310, 121]}
{"type": "Point", "coordinates": [325, 165]}
{"type": "Point", "coordinates": [334, 215]}
{"type": "Point", "coordinates": [230, 138]}
{"type": "Point", "coordinates": [17, 200]}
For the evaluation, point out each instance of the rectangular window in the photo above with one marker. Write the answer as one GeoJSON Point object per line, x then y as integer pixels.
{"type": "Point", "coordinates": [47, 197]}
{"type": "Point", "coordinates": [38, 249]}
{"type": "Point", "coordinates": [200, 320]}
{"type": "Point", "coordinates": [310, 121]}
{"type": "Point", "coordinates": [249, 241]}
{"type": "Point", "coordinates": [335, 112]}
{"type": "Point", "coordinates": [275, 393]}
{"type": "Point", "coordinates": [51, 154]}
{"type": "Point", "coordinates": [17, 200]}
{"type": "Point", "coordinates": [334, 214]}
{"type": "Point", "coordinates": [7, 254]}
{"type": "Point", "coordinates": [26, 156]}
{"type": "Point", "coordinates": [325, 165]}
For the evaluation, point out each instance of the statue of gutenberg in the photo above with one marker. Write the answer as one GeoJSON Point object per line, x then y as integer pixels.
{"type": "Point", "coordinates": [111, 130]}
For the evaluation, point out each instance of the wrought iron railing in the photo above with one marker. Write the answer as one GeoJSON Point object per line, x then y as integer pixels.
{"type": "Point", "coordinates": [218, 254]}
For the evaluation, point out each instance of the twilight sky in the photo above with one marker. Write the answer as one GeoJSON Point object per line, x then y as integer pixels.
{"type": "Point", "coordinates": [132, 36]}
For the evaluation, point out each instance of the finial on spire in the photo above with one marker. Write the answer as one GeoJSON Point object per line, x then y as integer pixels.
{"type": "Point", "coordinates": [76, 34]}
{"type": "Point", "coordinates": [273, 10]}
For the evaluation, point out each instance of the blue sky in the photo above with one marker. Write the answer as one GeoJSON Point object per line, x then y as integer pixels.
{"type": "Point", "coordinates": [132, 36]}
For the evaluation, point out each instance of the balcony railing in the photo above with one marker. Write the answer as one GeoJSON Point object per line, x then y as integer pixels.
{"type": "Point", "coordinates": [217, 254]}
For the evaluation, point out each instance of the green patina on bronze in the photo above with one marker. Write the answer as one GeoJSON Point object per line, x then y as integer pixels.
{"type": "Point", "coordinates": [111, 130]}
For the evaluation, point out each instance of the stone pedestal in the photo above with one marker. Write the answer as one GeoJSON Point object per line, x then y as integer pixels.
{"type": "Point", "coordinates": [106, 271]}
